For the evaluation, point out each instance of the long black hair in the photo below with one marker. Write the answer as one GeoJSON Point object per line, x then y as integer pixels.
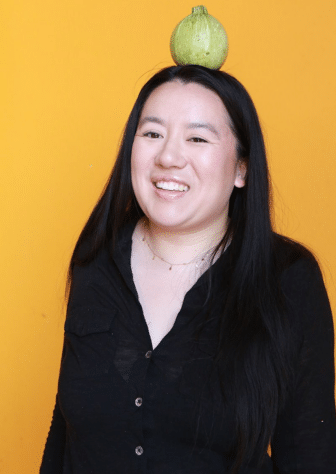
{"type": "Point", "coordinates": [255, 345]}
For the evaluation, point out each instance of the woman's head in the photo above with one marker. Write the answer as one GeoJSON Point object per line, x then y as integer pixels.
{"type": "Point", "coordinates": [253, 198]}
{"type": "Point", "coordinates": [184, 162]}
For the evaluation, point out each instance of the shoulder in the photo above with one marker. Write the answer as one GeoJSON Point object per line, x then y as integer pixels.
{"type": "Point", "coordinates": [297, 265]}
{"type": "Point", "coordinates": [92, 257]}
{"type": "Point", "coordinates": [288, 252]}
{"type": "Point", "coordinates": [303, 286]}
{"type": "Point", "coordinates": [89, 288]}
{"type": "Point", "coordinates": [85, 272]}
{"type": "Point", "coordinates": [97, 280]}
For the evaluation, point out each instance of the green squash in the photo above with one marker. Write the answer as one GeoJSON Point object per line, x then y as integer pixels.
{"type": "Point", "coordinates": [199, 39]}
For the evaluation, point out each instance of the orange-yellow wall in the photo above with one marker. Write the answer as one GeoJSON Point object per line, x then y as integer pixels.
{"type": "Point", "coordinates": [70, 72]}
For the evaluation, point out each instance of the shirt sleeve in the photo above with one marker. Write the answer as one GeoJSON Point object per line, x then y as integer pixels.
{"type": "Point", "coordinates": [304, 441]}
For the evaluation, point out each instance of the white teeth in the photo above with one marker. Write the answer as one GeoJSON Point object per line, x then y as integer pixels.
{"type": "Point", "coordinates": [171, 186]}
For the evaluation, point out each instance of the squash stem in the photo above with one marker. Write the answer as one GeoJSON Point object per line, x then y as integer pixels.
{"type": "Point", "coordinates": [200, 10]}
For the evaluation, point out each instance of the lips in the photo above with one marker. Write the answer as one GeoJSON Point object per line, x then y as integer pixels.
{"type": "Point", "coordinates": [170, 184]}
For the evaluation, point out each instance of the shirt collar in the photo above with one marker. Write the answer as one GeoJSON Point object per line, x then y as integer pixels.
{"type": "Point", "coordinates": [122, 258]}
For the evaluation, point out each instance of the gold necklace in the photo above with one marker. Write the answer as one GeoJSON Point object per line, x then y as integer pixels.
{"type": "Point", "coordinates": [171, 265]}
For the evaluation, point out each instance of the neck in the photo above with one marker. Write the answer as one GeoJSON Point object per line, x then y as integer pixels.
{"type": "Point", "coordinates": [178, 247]}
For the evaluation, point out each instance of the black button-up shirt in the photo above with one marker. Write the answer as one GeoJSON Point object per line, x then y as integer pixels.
{"type": "Point", "coordinates": [126, 408]}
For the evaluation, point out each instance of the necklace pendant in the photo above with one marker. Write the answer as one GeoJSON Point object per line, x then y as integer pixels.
{"type": "Point", "coordinates": [170, 267]}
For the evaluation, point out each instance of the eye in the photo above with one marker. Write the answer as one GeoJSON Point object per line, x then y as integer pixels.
{"type": "Point", "coordinates": [152, 135]}
{"type": "Point", "coordinates": [198, 140]}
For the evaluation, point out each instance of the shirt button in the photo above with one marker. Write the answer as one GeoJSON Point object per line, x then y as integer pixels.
{"type": "Point", "coordinates": [138, 402]}
{"type": "Point", "coordinates": [139, 450]}
{"type": "Point", "coordinates": [148, 354]}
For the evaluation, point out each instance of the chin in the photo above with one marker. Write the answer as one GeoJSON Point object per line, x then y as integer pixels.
{"type": "Point", "coordinates": [172, 223]}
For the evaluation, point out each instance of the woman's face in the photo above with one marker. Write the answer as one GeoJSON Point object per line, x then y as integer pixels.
{"type": "Point", "coordinates": [184, 161]}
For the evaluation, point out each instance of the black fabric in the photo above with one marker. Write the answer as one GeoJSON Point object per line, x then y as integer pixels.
{"type": "Point", "coordinates": [125, 408]}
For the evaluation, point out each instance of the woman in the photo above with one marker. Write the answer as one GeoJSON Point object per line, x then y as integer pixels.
{"type": "Point", "coordinates": [197, 340]}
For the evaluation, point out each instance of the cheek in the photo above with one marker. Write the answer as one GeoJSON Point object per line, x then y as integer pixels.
{"type": "Point", "coordinates": [220, 169]}
{"type": "Point", "coordinates": [136, 168]}
{"type": "Point", "coordinates": [139, 174]}
{"type": "Point", "coordinates": [220, 181]}
{"type": "Point", "coordinates": [135, 176]}
{"type": "Point", "coordinates": [139, 163]}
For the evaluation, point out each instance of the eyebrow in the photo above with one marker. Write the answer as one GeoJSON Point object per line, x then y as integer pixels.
{"type": "Point", "coordinates": [193, 125]}
{"type": "Point", "coordinates": [151, 119]}
{"type": "Point", "coordinates": [206, 125]}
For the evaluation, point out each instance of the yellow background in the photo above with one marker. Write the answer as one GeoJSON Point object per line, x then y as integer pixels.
{"type": "Point", "coordinates": [70, 72]}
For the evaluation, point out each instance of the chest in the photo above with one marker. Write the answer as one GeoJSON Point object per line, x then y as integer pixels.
{"type": "Point", "coordinates": [160, 291]}
{"type": "Point", "coordinates": [112, 394]}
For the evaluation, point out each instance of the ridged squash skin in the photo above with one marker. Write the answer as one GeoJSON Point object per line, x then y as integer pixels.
{"type": "Point", "coordinates": [199, 39]}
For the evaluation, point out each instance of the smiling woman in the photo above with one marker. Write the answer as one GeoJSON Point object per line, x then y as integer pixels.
{"type": "Point", "coordinates": [184, 138]}
{"type": "Point", "coordinates": [195, 335]}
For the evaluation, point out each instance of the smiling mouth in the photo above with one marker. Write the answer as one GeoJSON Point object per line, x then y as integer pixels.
{"type": "Point", "coordinates": [171, 186]}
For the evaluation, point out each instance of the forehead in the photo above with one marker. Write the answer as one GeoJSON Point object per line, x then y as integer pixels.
{"type": "Point", "coordinates": [191, 100]}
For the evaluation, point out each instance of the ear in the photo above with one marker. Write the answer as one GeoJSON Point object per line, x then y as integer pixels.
{"type": "Point", "coordinates": [241, 173]}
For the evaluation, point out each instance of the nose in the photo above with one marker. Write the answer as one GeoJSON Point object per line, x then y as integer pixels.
{"type": "Point", "coordinates": [171, 154]}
